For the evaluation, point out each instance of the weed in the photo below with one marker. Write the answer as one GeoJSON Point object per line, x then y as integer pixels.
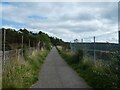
{"type": "Point", "coordinates": [96, 74]}
{"type": "Point", "coordinates": [23, 75]}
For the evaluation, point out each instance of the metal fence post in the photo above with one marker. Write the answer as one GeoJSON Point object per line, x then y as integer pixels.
{"type": "Point", "coordinates": [29, 41]}
{"type": "Point", "coordinates": [82, 43]}
{"type": "Point", "coordinates": [119, 42]}
{"type": "Point", "coordinates": [22, 46]}
{"type": "Point", "coordinates": [4, 38]}
{"type": "Point", "coordinates": [94, 49]}
{"type": "Point", "coordinates": [70, 46]}
{"type": "Point", "coordinates": [0, 58]}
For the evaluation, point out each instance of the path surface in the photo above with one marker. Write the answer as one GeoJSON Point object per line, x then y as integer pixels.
{"type": "Point", "coordinates": [55, 73]}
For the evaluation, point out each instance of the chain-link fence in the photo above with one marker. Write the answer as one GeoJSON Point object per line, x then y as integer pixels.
{"type": "Point", "coordinates": [17, 54]}
{"type": "Point", "coordinates": [97, 48]}
{"type": "Point", "coordinates": [12, 53]}
{"type": "Point", "coordinates": [97, 51]}
{"type": "Point", "coordinates": [103, 52]}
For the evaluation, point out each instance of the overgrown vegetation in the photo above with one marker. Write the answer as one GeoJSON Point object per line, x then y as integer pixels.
{"type": "Point", "coordinates": [97, 74]}
{"type": "Point", "coordinates": [41, 39]}
{"type": "Point", "coordinates": [23, 73]}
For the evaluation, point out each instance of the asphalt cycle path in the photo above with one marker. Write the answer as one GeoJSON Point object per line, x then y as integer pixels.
{"type": "Point", "coordinates": [55, 73]}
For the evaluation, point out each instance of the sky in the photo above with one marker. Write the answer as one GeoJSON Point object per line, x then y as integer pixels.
{"type": "Point", "coordinates": [65, 20]}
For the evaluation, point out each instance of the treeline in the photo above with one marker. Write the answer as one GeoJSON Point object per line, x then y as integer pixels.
{"type": "Point", "coordinates": [40, 39]}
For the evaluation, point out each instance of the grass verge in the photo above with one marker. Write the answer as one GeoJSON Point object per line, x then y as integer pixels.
{"type": "Point", "coordinates": [96, 75]}
{"type": "Point", "coordinates": [23, 73]}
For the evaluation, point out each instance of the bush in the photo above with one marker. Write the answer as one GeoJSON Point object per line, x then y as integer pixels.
{"type": "Point", "coordinates": [77, 57]}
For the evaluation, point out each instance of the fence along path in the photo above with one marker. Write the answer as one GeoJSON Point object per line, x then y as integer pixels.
{"type": "Point", "coordinates": [56, 73]}
{"type": "Point", "coordinates": [17, 53]}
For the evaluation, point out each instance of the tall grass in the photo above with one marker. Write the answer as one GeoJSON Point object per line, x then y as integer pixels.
{"type": "Point", "coordinates": [23, 73]}
{"type": "Point", "coordinates": [97, 74]}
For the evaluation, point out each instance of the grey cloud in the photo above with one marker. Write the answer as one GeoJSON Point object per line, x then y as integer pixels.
{"type": "Point", "coordinates": [72, 19]}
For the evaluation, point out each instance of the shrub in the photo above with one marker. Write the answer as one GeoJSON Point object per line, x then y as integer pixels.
{"type": "Point", "coordinates": [78, 56]}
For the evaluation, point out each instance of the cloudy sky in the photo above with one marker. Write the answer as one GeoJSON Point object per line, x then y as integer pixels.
{"type": "Point", "coordinates": [67, 21]}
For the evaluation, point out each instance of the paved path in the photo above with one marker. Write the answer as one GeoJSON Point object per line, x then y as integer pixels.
{"type": "Point", "coordinates": [56, 73]}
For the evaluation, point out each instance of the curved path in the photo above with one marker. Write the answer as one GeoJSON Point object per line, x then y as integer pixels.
{"type": "Point", "coordinates": [55, 73]}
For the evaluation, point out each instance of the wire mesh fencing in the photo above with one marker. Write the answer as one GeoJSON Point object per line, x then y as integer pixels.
{"type": "Point", "coordinates": [17, 54]}
{"type": "Point", "coordinates": [103, 52]}
{"type": "Point", "coordinates": [99, 47]}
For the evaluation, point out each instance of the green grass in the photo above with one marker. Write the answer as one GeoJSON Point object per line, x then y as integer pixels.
{"type": "Point", "coordinates": [23, 73]}
{"type": "Point", "coordinates": [96, 75]}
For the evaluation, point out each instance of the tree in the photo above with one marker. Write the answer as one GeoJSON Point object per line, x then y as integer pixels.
{"type": "Point", "coordinates": [14, 39]}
